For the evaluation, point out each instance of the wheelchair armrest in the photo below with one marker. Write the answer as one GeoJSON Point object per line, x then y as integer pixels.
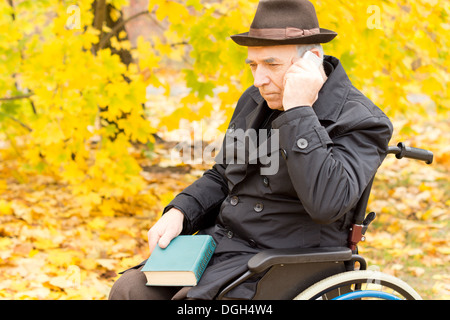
{"type": "Point", "coordinates": [267, 258]}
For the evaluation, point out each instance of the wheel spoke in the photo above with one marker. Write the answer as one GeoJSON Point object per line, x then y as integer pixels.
{"type": "Point", "coordinates": [362, 284]}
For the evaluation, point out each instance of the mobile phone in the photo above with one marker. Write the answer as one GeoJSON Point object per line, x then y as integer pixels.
{"type": "Point", "coordinates": [313, 58]}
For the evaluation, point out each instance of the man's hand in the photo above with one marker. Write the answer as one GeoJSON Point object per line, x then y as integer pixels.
{"type": "Point", "coordinates": [302, 83]}
{"type": "Point", "coordinates": [165, 229]}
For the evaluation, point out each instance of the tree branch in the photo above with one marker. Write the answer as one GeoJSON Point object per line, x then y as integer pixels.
{"type": "Point", "coordinates": [17, 120]}
{"type": "Point", "coordinates": [100, 12]}
{"type": "Point", "coordinates": [24, 96]}
{"type": "Point", "coordinates": [116, 29]}
{"type": "Point", "coordinates": [13, 15]}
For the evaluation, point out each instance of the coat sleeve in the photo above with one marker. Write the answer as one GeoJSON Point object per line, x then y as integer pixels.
{"type": "Point", "coordinates": [200, 201]}
{"type": "Point", "coordinates": [330, 174]}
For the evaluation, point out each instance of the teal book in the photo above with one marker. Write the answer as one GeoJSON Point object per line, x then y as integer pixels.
{"type": "Point", "coordinates": [182, 263]}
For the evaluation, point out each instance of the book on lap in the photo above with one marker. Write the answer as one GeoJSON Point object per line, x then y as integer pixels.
{"type": "Point", "coordinates": [182, 263]}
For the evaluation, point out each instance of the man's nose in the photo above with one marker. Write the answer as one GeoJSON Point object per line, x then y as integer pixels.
{"type": "Point", "coordinates": [261, 78]}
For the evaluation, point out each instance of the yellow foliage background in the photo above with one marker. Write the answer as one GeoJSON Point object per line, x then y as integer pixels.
{"type": "Point", "coordinates": [89, 117]}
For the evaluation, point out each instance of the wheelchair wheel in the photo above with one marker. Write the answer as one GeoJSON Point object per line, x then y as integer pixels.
{"type": "Point", "coordinates": [361, 284]}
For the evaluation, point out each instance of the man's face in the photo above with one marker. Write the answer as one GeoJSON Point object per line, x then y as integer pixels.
{"type": "Point", "coordinates": [269, 65]}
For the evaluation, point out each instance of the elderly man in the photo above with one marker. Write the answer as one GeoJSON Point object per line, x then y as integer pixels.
{"type": "Point", "coordinates": [331, 139]}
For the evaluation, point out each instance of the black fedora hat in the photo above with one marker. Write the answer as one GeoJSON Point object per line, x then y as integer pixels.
{"type": "Point", "coordinates": [282, 22]}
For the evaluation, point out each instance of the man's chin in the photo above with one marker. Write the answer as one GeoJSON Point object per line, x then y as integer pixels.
{"type": "Point", "coordinates": [273, 101]}
{"type": "Point", "coordinates": [275, 105]}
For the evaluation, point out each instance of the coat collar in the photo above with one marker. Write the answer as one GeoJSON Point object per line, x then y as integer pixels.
{"type": "Point", "coordinates": [331, 97]}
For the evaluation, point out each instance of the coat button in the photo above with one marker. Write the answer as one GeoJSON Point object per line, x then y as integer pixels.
{"type": "Point", "coordinates": [234, 200]}
{"type": "Point", "coordinates": [283, 153]}
{"type": "Point", "coordinates": [232, 127]}
{"type": "Point", "coordinates": [265, 181]}
{"type": "Point", "coordinates": [258, 207]}
{"type": "Point", "coordinates": [229, 234]}
{"type": "Point", "coordinates": [302, 143]}
{"type": "Point", "coordinates": [252, 243]}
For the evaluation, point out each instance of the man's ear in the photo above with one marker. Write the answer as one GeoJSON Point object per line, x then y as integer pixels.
{"type": "Point", "coordinates": [316, 52]}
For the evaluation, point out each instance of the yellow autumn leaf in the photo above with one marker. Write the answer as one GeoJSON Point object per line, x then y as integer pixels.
{"type": "Point", "coordinates": [62, 258]}
{"type": "Point", "coordinates": [443, 250]}
{"type": "Point", "coordinates": [5, 207]}
{"type": "Point", "coordinates": [97, 223]}
{"type": "Point", "coordinates": [174, 11]}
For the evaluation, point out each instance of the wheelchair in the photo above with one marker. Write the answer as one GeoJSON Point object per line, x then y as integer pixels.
{"type": "Point", "coordinates": [328, 273]}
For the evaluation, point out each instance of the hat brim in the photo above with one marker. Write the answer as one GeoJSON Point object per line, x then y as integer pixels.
{"type": "Point", "coordinates": [243, 39]}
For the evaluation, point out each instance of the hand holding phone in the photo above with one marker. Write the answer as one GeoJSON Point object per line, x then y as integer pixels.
{"type": "Point", "coordinates": [302, 82]}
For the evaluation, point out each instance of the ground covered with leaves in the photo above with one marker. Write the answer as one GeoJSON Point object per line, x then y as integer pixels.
{"type": "Point", "coordinates": [52, 249]}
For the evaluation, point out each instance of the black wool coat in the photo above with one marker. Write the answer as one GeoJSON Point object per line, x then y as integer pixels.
{"type": "Point", "coordinates": [326, 154]}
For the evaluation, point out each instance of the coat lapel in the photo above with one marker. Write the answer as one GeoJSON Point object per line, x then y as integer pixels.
{"type": "Point", "coordinates": [236, 172]}
{"type": "Point", "coordinates": [254, 119]}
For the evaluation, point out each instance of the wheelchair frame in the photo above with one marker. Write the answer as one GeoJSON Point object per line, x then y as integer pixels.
{"type": "Point", "coordinates": [318, 272]}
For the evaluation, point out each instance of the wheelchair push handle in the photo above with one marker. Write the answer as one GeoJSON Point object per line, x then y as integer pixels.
{"type": "Point", "coordinates": [402, 151]}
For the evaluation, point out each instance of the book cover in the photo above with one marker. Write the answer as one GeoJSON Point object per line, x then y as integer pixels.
{"type": "Point", "coordinates": [182, 263]}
